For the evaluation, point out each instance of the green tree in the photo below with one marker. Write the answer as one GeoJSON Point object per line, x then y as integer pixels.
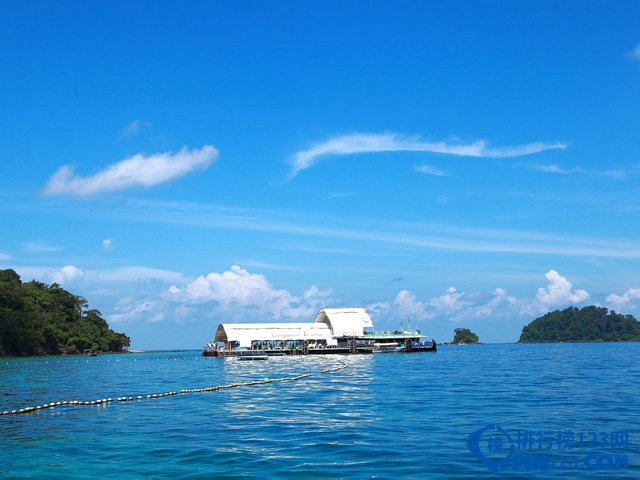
{"type": "Point", "coordinates": [464, 335]}
{"type": "Point", "coordinates": [37, 319]}
{"type": "Point", "coordinates": [589, 324]}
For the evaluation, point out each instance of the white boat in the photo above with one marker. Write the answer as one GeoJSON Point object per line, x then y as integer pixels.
{"type": "Point", "coordinates": [391, 347]}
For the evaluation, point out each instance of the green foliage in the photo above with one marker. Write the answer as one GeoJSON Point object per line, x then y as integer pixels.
{"type": "Point", "coordinates": [589, 324]}
{"type": "Point", "coordinates": [40, 319]}
{"type": "Point", "coordinates": [464, 335]}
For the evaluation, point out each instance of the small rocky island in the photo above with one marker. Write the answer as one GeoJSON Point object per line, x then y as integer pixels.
{"type": "Point", "coordinates": [40, 319]}
{"type": "Point", "coordinates": [588, 324]}
{"type": "Point", "coordinates": [463, 336]}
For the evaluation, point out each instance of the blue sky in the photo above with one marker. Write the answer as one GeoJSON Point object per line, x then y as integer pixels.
{"type": "Point", "coordinates": [453, 164]}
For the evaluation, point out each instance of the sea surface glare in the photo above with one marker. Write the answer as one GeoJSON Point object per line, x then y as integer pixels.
{"type": "Point", "coordinates": [484, 411]}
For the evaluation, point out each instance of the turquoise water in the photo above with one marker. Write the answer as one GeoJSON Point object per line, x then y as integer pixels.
{"type": "Point", "coordinates": [384, 416]}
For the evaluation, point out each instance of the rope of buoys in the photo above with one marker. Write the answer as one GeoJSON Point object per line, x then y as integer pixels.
{"type": "Point", "coordinates": [153, 396]}
{"type": "Point", "coordinates": [335, 369]}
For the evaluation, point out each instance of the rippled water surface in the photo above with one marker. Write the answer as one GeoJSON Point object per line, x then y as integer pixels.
{"type": "Point", "coordinates": [384, 416]}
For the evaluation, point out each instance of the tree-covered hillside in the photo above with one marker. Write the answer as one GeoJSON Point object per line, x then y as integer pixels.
{"type": "Point", "coordinates": [589, 324]}
{"type": "Point", "coordinates": [40, 319]}
{"type": "Point", "coordinates": [464, 335]}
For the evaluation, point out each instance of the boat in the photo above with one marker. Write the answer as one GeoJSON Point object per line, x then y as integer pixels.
{"type": "Point", "coordinates": [253, 357]}
{"type": "Point", "coordinates": [421, 346]}
{"type": "Point", "coordinates": [389, 347]}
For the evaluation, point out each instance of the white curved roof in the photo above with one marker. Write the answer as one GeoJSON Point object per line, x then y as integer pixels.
{"type": "Point", "coordinates": [345, 322]}
{"type": "Point", "coordinates": [244, 333]}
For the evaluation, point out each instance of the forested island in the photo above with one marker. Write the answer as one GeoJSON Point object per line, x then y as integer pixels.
{"type": "Point", "coordinates": [588, 324]}
{"type": "Point", "coordinates": [464, 335]}
{"type": "Point", "coordinates": [40, 319]}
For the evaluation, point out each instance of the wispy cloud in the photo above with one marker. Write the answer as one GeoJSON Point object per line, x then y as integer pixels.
{"type": "Point", "coordinates": [429, 170]}
{"type": "Point", "coordinates": [4, 256]}
{"type": "Point", "coordinates": [391, 142]}
{"type": "Point", "coordinates": [268, 266]}
{"type": "Point", "coordinates": [615, 174]}
{"type": "Point", "coordinates": [384, 233]}
{"type": "Point", "coordinates": [133, 128]}
{"type": "Point", "coordinates": [135, 274]}
{"type": "Point", "coordinates": [40, 247]}
{"type": "Point", "coordinates": [635, 53]}
{"type": "Point", "coordinates": [550, 169]}
{"type": "Point", "coordinates": [139, 170]}
{"type": "Point", "coordinates": [125, 275]}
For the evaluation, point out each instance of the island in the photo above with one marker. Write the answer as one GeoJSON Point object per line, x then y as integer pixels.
{"type": "Point", "coordinates": [588, 324]}
{"type": "Point", "coordinates": [463, 336]}
{"type": "Point", "coordinates": [40, 319]}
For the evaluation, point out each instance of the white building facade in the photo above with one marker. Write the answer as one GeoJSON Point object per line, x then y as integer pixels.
{"type": "Point", "coordinates": [329, 325]}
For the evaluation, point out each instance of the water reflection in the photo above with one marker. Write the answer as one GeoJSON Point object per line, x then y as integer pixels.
{"type": "Point", "coordinates": [282, 420]}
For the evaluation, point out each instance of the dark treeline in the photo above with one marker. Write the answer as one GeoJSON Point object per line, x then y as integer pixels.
{"type": "Point", "coordinates": [40, 319]}
{"type": "Point", "coordinates": [589, 324]}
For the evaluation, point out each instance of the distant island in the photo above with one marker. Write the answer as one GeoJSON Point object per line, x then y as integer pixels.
{"type": "Point", "coordinates": [589, 324]}
{"type": "Point", "coordinates": [464, 335]}
{"type": "Point", "coordinates": [40, 319]}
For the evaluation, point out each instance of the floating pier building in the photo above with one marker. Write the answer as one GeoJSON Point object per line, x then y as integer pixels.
{"type": "Point", "coordinates": [334, 330]}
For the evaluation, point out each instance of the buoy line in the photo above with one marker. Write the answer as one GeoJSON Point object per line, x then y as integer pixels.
{"type": "Point", "coordinates": [154, 396]}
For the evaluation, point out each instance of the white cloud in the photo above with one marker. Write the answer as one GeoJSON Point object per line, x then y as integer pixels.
{"type": "Point", "coordinates": [133, 128]}
{"type": "Point", "coordinates": [635, 53]}
{"type": "Point", "coordinates": [407, 306]}
{"type": "Point", "coordinates": [40, 247]}
{"type": "Point", "coordinates": [616, 174]}
{"type": "Point", "coordinates": [4, 256]}
{"type": "Point", "coordinates": [242, 294]}
{"type": "Point", "coordinates": [390, 142]}
{"type": "Point", "coordinates": [559, 291]}
{"type": "Point", "coordinates": [108, 245]}
{"type": "Point", "coordinates": [456, 306]}
{"type": "Point", "coordinates": [449, 305]}
{"type": "Point", "coordinates": [63, 276]}
{"type": "Point", "coordinates": [131, 309]}
{"type": "Point", "coordinates": [549, 169]}
{"type": "Point", "coordinates": [139, 170]}
{"type": "Point", "coordinates": [500, 300]}
{"type": "Point", "coordinates": [429, 170]}
{"type": "Point", "coordinates": [619, 302]}
{"type": "Point", "coordinates": [449, 302]}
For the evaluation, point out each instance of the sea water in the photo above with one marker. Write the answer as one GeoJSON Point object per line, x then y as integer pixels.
{"type": "Point", "coordinates": [513, 411]}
